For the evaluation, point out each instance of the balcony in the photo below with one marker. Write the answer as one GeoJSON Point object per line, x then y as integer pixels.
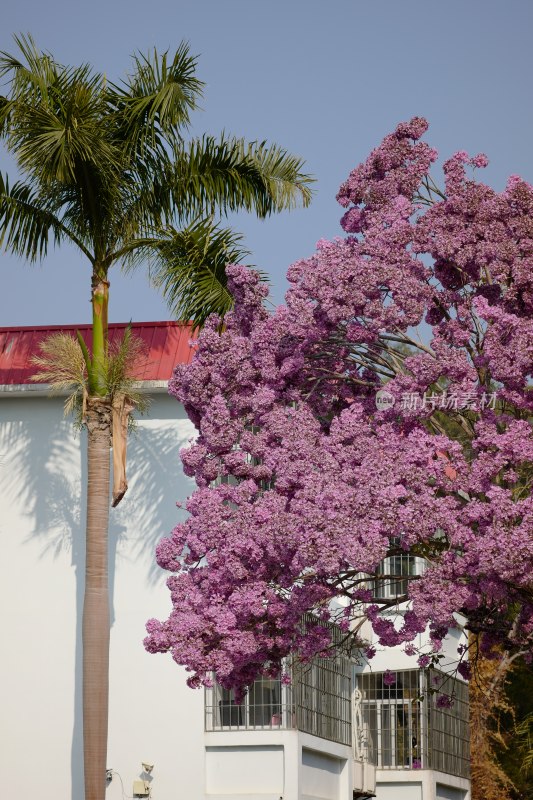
{"type": "Point", "coordinates": [405, 727]}
{"type": "Point", "coordinates": [316, 702]}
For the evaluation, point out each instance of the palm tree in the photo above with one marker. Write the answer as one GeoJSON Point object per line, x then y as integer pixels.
{"type": "Point", "coordinates": [105, 167]}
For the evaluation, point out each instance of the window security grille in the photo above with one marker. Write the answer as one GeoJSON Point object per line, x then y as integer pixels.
{"type": "Point", "coordinates": [322, 694]}
{"type": "Point", "coordinates": [393, 574]}
{"type": "Point", "coordinates": [406, 728]}
{"type": "Point", "coordinates": [317, 702]}
{"type": "Point", "coordinates": [266, 705]}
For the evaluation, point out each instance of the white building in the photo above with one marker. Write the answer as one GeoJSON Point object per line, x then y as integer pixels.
{"type": "Point", "coordinates": [315, 740]}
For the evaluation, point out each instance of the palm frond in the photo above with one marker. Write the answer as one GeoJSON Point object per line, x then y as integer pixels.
{"type": "Point", "coordinates": [189, 267]}
{"type": "Point", "coordinates": [36, 74]}
{"type": "Point", "coordinates": [62, 139]}
{"type": "Point", "coordinates": [282, 173]}
{"type": "Point", "coordinates": [145, 201]}
{"type": "Point", "coordinates": [210, 174]}
{"type": "Point", "coordinates": [62, 365]}
{"type": "Point", "coordinates": [524, 735]}
{"type": "Point", "coordinates": [226, 175]}
{"type": "Point", "coordinates": [27, 223]}
{"type": "Point", "coordinates": [154, 104]}
{"type": "Point", "coordinates": [54, 117]}
{"type": "Point", "coordinates": [125, 359]}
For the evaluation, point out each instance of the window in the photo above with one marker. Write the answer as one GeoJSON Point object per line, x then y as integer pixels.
{"type": "Point", "coordinates": [392, 721]}
{"type": "Point", "coordinates": [406, 728]}
{"type": "Point", "coordinates": [322, 693]}
{"type": "Point", "coordinates": [264, 706]}
{"type": "Point", "coordinates": [393, 574]}
{"type": "Point", "coordinates": [317, 702]}
{"type": "Point", "coordinates": [448, 728]}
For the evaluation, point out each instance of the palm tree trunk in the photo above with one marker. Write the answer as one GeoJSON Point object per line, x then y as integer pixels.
{"type": "Point", "coordinates": [100, 303]}
{"type": "Point", "coordinates": [96, 600]}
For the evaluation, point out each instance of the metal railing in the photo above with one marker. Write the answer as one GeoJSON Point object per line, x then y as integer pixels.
{"type": "Point", "coordinates": [267, 705]}
{"type": "Point", "coordinates": [322, 698]}
{"type": "Point", "coordinates": [449, 727]}
{"type": "Point", "coordinates": [406, 726]}
{"type": "Point", "coordinates": [317, 701]}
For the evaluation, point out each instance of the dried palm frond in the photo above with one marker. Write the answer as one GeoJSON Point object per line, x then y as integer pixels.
{"type": "Point", "coordinates": [125, 362]}
{"type": "Point", "coordinates": [62, 366]}
{"type": "Point", "coordinates": [524, 741]}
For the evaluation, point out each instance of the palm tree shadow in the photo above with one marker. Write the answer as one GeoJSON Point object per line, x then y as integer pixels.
{"type": "Point", "coordinates": [43, 471]}
{"type": "Point", "coordinates": [156, 482]}
{"type": "Point", "coordinates": [43, 475]}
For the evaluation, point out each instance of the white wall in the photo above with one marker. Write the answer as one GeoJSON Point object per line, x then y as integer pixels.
{"type": "Point", "coordinates": [245, 770]}
{"type": "Point", "coordinates": [153, 716]}
{"type": "Point", "coordinates": [398, 791]}
{"type": "Point", "coordinates": [394, 658]}
{"type": "Point", "coordinates": [320, 776]}
{"type": "Point", "coordinates": [425, 785]}
{"type": "Point", "coordinates": [449, 793]}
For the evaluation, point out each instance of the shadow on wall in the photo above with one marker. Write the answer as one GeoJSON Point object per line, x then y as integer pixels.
{"type": "Point", "coordinates": [43, 475]}
{"type": "Point", "coordinates": [156, 482]}
{"type": "Point", "coordinates": [43, 472]}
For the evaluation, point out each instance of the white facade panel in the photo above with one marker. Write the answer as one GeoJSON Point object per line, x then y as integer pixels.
{"type": "Point", "coordinates": [450, 793]}
{"type": "Point", "coordinates": [400, 791]}
{"type": "Point", "coordinates": [240, 770]}
{"type": "Point", "coordinates": [320, 776]}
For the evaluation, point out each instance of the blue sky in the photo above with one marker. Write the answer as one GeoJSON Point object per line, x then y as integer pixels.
{"type": "Point", "coordinates": [326, 80]}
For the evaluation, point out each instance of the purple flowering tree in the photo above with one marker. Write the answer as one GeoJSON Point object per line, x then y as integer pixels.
{"type": "Point", "coordinates": [308, 478]}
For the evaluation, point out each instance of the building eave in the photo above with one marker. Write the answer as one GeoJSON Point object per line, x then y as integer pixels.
{"type": "Point", "coordinates": [45, 390]}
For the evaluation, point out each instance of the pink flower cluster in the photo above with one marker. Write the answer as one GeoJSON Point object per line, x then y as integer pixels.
{"type": "Point", "coordinates": [304, 486]}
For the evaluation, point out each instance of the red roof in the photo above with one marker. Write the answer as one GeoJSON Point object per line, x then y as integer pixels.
{"type": "Point", "coordinates": [167, 344]}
